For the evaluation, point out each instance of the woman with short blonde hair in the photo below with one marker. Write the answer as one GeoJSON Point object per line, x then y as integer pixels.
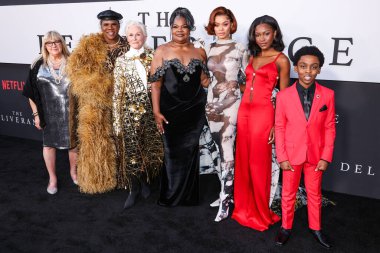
{"type": "Point", "coordinates": [47, 90]}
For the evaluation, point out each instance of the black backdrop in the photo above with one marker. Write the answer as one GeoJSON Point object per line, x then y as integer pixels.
{"type": "Point", "coordinates": [15, 114]}
{"type": "Point", "coordinates": [354, 170]}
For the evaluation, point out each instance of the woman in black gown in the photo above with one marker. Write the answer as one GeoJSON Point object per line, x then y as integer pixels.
{"type": "Point", "coordinates": [178, 73]}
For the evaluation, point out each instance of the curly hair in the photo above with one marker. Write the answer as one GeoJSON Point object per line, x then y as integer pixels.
{"type": "Point", "coordinates": [309, 50]}
{"type": "Point", "coordinates": [277, 44]}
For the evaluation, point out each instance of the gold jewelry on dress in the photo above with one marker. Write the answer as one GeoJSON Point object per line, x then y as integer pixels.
{"type": "Point", "coordinates": [113, 45]}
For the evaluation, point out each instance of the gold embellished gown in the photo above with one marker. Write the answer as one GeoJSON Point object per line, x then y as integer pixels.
{"type": "Point", "coordinates": [138, 142]}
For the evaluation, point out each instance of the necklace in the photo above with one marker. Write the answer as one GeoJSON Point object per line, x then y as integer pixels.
{"type": "Point", "coordinates": [57, 77]}
{"type": "Point", "coordinates": [113, 45]}
{"type": "Point", "coordinates": [55, 62]}
{"type": "Point", "coordinates": [178, 45]}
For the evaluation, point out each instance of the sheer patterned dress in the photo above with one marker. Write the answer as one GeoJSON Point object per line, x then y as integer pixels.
{"type": "Point", "coordinates": [225, 59]}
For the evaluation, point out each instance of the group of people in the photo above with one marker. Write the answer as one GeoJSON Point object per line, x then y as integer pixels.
{"type": "Point", "coordinates": [128, 113]}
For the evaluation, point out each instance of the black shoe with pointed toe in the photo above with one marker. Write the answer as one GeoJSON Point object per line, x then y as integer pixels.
{"type": "Point", "coordinates": [145, 190]}
{"type": "Point", "coordinates": [282, 236]}
{"type": "Point", "coordinates": [131, 199]}
{"type": "Point", "coordinates": [321, 238]}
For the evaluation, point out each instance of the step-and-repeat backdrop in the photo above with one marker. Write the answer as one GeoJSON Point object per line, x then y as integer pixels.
{"type": "Point", "coordinates": [345, 30]}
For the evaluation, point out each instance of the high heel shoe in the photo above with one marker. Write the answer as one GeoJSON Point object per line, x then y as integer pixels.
{"type": "Point", "coordinates": [222, 214]}
{"type": "Point", "coordinates": [133, 194]}
{"type": "Point", "coordinates": [224, 207]}
{"type": "Point", "coordinates": [131, 199]}
{"type": "Point", "coordinates": [145, 189]}
{"type": "Point", "coordinates": [216, 203]}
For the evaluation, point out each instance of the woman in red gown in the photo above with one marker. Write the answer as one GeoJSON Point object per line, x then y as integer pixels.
{"type": "Point", "coordinates": [255, 134]}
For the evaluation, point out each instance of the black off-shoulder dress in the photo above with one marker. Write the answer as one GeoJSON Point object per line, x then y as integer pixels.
{"type": "Point", "coordinates": [182, 102]}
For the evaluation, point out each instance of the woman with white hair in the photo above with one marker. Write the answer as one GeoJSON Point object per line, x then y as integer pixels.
{"type": "Point", "coordinates": [138, 142]}
{"type": "Point", "coordinates": [46, 88]}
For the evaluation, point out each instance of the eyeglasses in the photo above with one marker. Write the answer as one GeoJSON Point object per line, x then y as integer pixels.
{"type": "Point", "coordinates": [51, 43]}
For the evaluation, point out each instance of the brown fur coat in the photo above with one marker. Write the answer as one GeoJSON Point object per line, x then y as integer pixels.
{"type": "Point", "coordinates": [90, 115]}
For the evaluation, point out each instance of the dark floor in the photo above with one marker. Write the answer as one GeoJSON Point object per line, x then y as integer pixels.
{"type": "Point", "coordinates": [33, 221]}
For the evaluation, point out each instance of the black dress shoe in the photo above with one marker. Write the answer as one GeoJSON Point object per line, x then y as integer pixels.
{"type": "Point", "coordinates": [131, 199]}
{"type": "Point", "coordinates": [282, 236]}
{"type": "Point", "coordinates": [133, 194]}
{"type": "Point", "coordinates": [145, 189]}
{"type": "Point", "coordinates": [321, 238]}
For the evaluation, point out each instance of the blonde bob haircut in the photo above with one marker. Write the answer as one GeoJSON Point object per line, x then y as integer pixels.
{"type": "Point", "coordinates": [53, 36]}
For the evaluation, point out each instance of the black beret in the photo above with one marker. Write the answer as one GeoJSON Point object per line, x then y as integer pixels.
{"type": "Point", "coordinates": [109, 15]}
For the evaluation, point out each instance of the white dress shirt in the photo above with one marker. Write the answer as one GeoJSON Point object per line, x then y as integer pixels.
{"type": "Point", "coordinates": [139, 66]}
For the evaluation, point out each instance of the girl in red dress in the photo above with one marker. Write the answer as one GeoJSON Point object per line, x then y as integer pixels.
{"type": "Point", "coordinates": [255, 125]}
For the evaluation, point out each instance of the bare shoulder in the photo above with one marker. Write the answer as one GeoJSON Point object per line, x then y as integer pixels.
{"type": "Point", "coordinates": [202, 53]}
{"type": "Point", "coordinates": [160, 50]}
{"type": "Point", "coordinates": [283, 60]}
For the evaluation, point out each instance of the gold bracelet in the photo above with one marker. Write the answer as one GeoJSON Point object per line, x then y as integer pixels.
{"type": "Point", "coordinates": [35, 114]}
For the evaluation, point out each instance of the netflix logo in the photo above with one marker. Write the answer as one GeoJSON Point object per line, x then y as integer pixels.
{"type": "Point", "coordinates": [12, 85]}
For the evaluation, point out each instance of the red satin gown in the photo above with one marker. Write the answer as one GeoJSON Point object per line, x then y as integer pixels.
{"type": "Point", "coordinates": [253, 162]}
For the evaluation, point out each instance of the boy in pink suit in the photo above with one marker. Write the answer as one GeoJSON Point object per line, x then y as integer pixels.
{"type": "Point", "coordinates": [305, 134]}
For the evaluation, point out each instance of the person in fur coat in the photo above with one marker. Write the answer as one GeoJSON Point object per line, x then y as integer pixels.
{"type": "Point", "coordinates": [90, 69]}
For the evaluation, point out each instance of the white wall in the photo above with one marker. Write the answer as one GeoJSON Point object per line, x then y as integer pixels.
{"type": "Point", "coordinates": [320, 20]}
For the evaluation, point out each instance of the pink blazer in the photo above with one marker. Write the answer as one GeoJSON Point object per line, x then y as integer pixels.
{"type": "Point", "coordinates": [298, 140]}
